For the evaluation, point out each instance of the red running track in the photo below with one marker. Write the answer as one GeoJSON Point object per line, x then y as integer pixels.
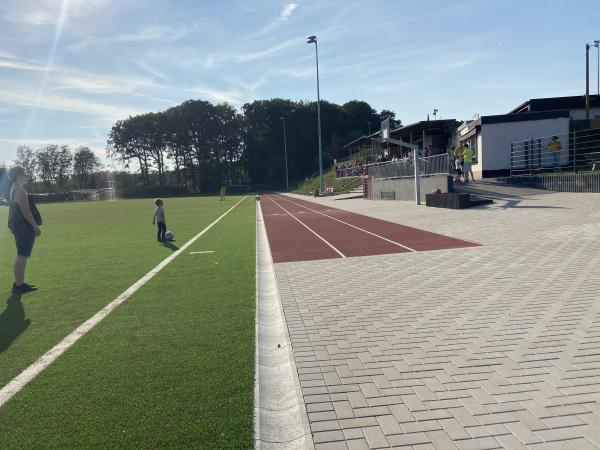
{"type": "Point", "coordinates": [299, 230]}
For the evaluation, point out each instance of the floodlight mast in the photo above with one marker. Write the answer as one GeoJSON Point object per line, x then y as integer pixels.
{"type": "Point", "coordinates": [313, 40]}
{"type": "Point", "coordinates": [587, 82]}
{"type": "Point", "coordinates": [287, 183]}
{"type": "Point", "coordinates": [597, 45]}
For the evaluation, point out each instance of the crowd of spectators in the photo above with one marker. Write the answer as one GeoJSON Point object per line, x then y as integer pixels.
{"type": "Point", "coordinates": [356, 167]}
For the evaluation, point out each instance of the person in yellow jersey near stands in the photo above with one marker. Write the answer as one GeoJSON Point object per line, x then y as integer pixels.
{"type": "Point", "coordinates": [222, 192]}
{"type": "Point", "coordinates": [468, 163]}
{"type": "Point", "coordinates": [554, 148]}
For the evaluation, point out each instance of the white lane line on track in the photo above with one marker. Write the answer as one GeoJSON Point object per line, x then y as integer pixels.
{"type": "Point", "coordinates": [21, 380]}
{"type": "Point", "coordinates": [353, 226]}
{"type": "Point", "coordinates": [201, 253]}
{"type": "Point", "coordinates": [308, 228]}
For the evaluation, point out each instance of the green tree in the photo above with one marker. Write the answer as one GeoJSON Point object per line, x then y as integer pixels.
{"type": "Point", "coordinates": [387, 114]}
{"type": "Point", "coordinates": [85, 165]}
{"type": "Point", "coordinates": [364, 116]}
{"type": "Point", "coordinates": [47, 165]}
{"type": "Point", "coordinates": [126, 144]}
{"type": "Point", "coordinates": [26, 158]}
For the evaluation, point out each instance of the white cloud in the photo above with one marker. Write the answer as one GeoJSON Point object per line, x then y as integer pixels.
{"type": "Point", "coordinates": [268, 51]}
{"type": "Point", "coordinates": [151, 70]}
{"type": "Point", "coordinates": [46, 12]}
{"type": "Point", "coordinates": [16, 64]}
{"type": "Point", "coordinates": [23, 97]}
{"type": "Point", "coordinates": [232, 96]}
{"type": "Point", "coordinates": [99, 84]}
{"type": "Point", "coordinates": [287, 11]}
{"type": "Point", "coordinates": [163, 35]}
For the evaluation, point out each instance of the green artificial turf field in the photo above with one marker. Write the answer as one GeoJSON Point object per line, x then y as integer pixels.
{"type": "Point", "coordinates": [173, 367]}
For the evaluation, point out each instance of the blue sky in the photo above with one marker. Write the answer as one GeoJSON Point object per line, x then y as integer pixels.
{"type": "Point", "coordinates": [70, 68]}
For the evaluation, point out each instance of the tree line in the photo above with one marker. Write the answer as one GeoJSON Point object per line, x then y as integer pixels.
{"type": "Point", "coordinates": [56, 168]}
{"type": "Point", "coordinates": [197, 146]}
{"type": "Point", "coordinates": [201, 146]}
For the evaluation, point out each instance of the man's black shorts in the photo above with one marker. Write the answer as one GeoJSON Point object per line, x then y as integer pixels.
{"type": "Point", "coordinates": [24, 238]}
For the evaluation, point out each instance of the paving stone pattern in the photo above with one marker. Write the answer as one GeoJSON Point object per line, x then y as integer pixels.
{"type": "Point", "coordinates": [489, 347]}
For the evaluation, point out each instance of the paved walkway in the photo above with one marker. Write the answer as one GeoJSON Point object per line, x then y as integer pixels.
{"type": "Point", "coordinates": [489, 347]}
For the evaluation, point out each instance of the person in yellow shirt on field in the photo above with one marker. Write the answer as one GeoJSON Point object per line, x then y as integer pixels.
{"type": "Point", "coordinates": [554, 148]}
{"type": "Point", "coordinates": [222, 192]}
{"type": "Point", "coordinates": [458, 161]}
{"type": "Point", "coordinates": [468, 163]}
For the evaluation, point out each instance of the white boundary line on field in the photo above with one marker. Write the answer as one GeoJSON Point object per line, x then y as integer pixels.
{"type": "Point", "coordinates": [21, 380]}
{"type": "Point", "coordinates": [350, 225]}
{"type": "Point", "coordinates": [308, 228]}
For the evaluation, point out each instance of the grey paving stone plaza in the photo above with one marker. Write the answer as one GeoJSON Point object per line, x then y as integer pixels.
{"type": "Point", "coordinates": [490, 347]}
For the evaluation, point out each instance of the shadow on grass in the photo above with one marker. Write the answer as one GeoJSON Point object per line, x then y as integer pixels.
{"type": "Point", "coordinates": [170, 246]}
{"type": "Point", "coordinates": [12, 321]}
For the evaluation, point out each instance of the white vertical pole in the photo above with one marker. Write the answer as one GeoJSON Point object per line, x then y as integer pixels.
{"type": "Point", "coordinates": [416, 165]}
{"type": "Point", "coordinates": [287, 184]}
{"type": "Point", "coordinates": [319, 119]}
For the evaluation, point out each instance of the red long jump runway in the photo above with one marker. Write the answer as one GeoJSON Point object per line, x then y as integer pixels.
{"type": "Point", "coordinates": [299, 230]}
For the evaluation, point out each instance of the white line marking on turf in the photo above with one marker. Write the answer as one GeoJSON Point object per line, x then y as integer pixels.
{"type": "Point", "coordinates": [21, 380]}
{"type": "Point", "coordinates": [353, 226]}
{"type": "Point", "coordinates": [308, 228]}
{"type": "Point", "coordinates": [201, 253]}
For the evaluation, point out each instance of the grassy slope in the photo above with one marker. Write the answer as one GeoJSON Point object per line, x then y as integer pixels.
{"type": "Point", "coordinates": [173, 367]}
{"type": "Point", "coordinates": [340, 185]}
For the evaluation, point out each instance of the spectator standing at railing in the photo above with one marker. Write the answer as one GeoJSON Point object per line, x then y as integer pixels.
{"type": "Point", "coordinates": [554, 148]}
{"type": "Point", "coordinates": [468, 163]}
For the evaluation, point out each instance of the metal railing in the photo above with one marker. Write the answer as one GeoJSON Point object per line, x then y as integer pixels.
{"type": "Point", "coordinates": [430, 165]}
{"type": "Point", "coordinates": [579, 151]}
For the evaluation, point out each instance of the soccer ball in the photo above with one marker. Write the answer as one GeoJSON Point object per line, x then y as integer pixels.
{"type": "Point", "coordinates": [169, 235]}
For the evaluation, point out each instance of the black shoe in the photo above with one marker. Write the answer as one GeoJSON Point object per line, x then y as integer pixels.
{"type": "Point", "coordinates": [24, 288]}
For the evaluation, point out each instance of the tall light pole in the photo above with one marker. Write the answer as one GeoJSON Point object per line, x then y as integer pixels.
{"type": "Point", "coordinates": [313, 40]}
{"type": "Point", "coordinates": [587, 82]}
{"type": "Point", "coordinates": [597, 45]}
{"type": "Point", "coordinates": [287, 183]}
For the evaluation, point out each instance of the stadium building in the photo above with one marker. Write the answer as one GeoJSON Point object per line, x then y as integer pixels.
{"type": "Point", "coordinates": [491, 136]}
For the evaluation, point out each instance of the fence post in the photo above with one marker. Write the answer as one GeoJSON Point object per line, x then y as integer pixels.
{"type": "Point", "coordinates": [530, 156]}
{"type": "Point", "coordinates": [512, 149]}
{"type": "Point", "coordinates": [417, 183]}
{"type": "Point", "coordinates": [575, 151]}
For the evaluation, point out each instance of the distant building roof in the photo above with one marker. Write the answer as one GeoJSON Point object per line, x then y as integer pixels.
{"type": "Point", "coordinates": [475, 125]}
{"type": "Point", "coordinates": [525, 116]}
{"type": "Point", "coordinates": [446, 125]}
{"type": "Point", "coordinates": [554, 103]}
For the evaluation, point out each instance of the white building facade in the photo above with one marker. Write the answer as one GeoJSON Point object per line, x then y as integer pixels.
{"type": "Point", "coordinates": [491, 136]}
